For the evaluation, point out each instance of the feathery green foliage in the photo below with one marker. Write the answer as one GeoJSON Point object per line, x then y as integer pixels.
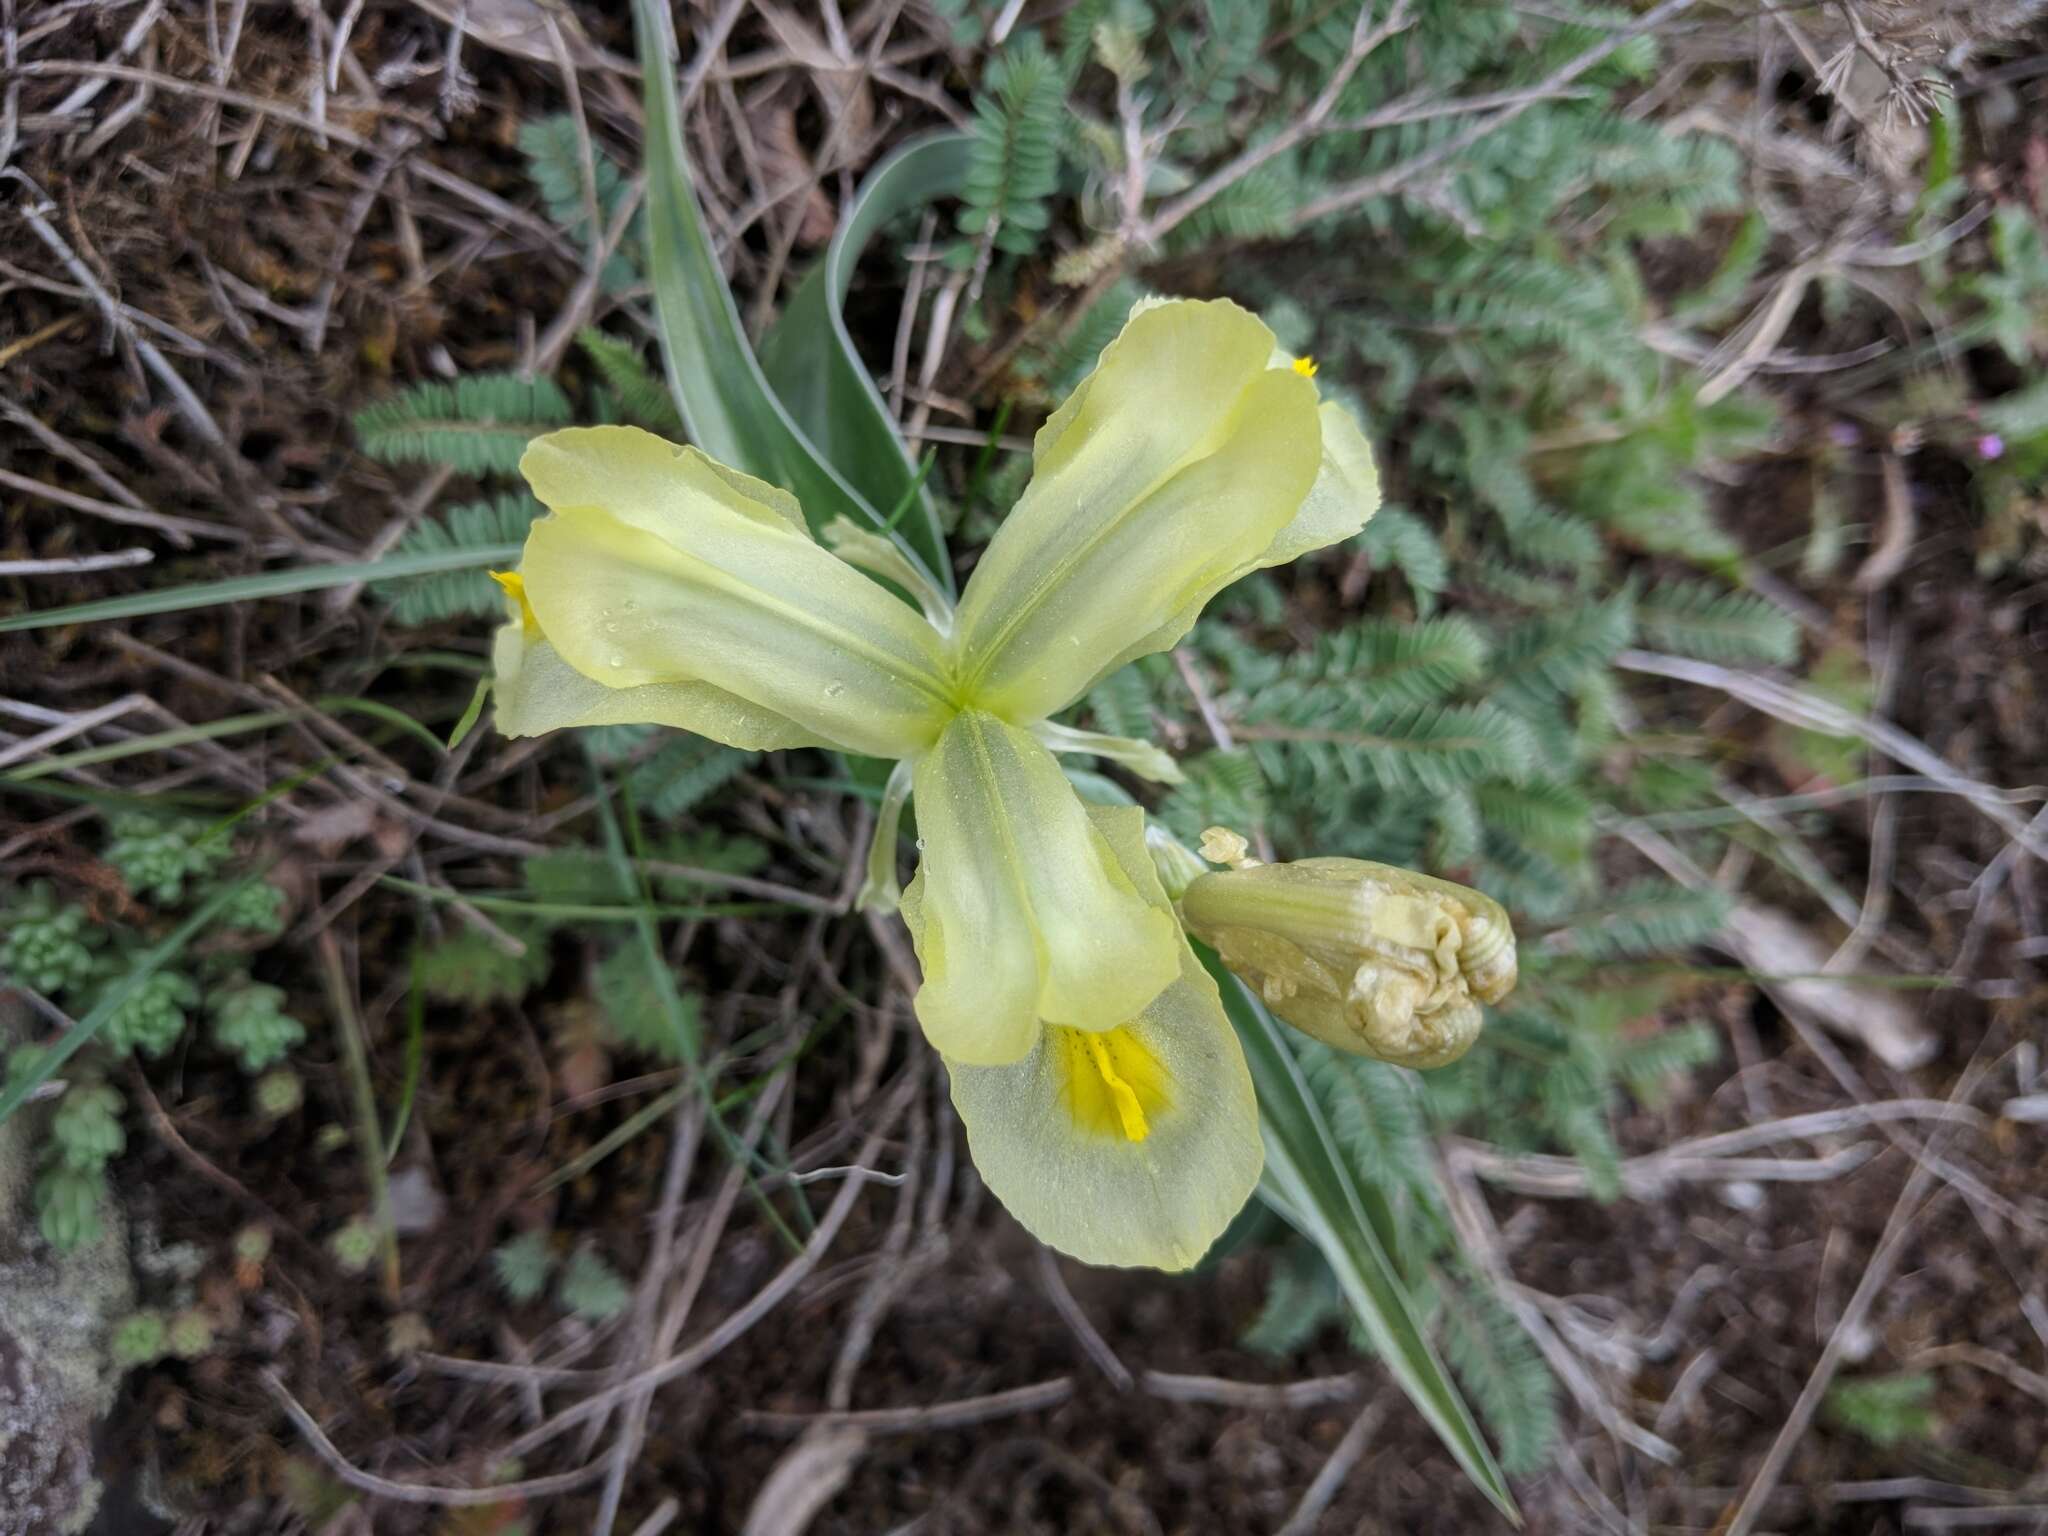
{"type": "Point", "coordinates": [1716, 625]}
{"type": "Point", "coordinates": [642, 397]}
{"type": "Point", "coordinates": [569, 191]}
{"type": "Point", "coordinates": [470, 966]}
{"type": "Point", "coordinates": [82, 960]}
{"type": "Point", "coordinates": [1646, 917]}
{"type": "Point", "coordinates": [523, 1265]}
{"type": "Point", "coordinates": [633, 1012]}
{"type": "Point", "coordinates": [1885, 1410]}
{"type": "Point", "coordinates": [1499, 1365]}
{"type": "Point", "coordinates": [1014, 167]}
{"type": "Point", "coordinates": [1379, 1116]}
{"type": "Point", "coordinates": [1396, 539]}
{"type": "Point", "coordinates": [682, 772]}
{"type": "Point", "coordinates": [591, 1289]}
{"type": "Point", "coordinates": [478, 425]}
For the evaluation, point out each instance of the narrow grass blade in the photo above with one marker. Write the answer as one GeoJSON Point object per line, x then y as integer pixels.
{"type": "Point", "coordinates": [1310, 1185]}
{"type": "Point", "coordinates": [810, 359]}
{"type": "Point", "coordinates": [726, 402]}
{"type": "Point", "coordinates": [471, 713]}
{"type": "Point", "coordinates": [415, 1058]}
{"type": "Point", "coordinates": [377, 709]}
{"type": "Point", "coordinates": [239, 589]}
{"type": "Point", "coordinates": [580, 911]}
{"type": "Point", "coordinates": [159, 741]}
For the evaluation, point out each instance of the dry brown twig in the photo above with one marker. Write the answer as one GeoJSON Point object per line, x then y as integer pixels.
{"type": "Point", "coordinates": [1366, 36]}
{"type": "Point", "coordinates": [1367, 188]}
{"type": "Point", "coordinates": [1330, 1477]}
{"type": "Point", "coordinates": [1913, 1200]}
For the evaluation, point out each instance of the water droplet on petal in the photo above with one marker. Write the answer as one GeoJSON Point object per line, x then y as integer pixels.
{"type": "Point", "coordinates": [833, 690]}
{"type": "Point", "coordinates": [618, 661]}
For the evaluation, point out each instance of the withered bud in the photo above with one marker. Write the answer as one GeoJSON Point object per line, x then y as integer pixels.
{"type": "Point", "coordinates": [1365, 957]}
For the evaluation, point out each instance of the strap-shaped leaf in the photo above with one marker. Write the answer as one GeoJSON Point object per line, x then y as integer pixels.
{"type": "Point", "coordinates": [1309, 1183]}
{"type": "Point", "coordinates": [726, 402]}
{"type": "Point", "coordinates": [810, 358]}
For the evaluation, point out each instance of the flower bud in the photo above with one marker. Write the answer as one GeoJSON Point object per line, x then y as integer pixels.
{"type": "Point", "coordinates": [1365, 957]}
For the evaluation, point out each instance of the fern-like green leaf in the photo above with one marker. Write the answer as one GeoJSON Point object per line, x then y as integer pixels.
{"type": "Point", "coordinates": [1649, 1064]}
{"type": "Point", "coordinates": [1885, 1410]}
{"type": "Point", "coordinates": [643, 398]}
{"type": "Point", "coordinates": [478, 425]}
{"type": "Point", "coordinates": [1302, 1299]}
{"type": "Point", "coordinates": [1551, 815]}
{"type": "Point", "coordinates": [1573, 1105]}
{"type": "Point", "coordinates": [554, 162]}
{"type": "Point", "coordinates": [1013, 170]}
{"type": "Point", "coordinates": [467, 967]}
{"type": "Point", "coordinates": [1395, 663]}
{"type": "Point", "coordinates": [685, 771]}
{"type": "Point", "coordinates": [1716, 624]}
{"type": "Point", "coordinates": [633, 1010]}
{"type": "Point", "coordinates": [1552, 654]}
{"type": "Point", "coordinates": [1121, 704]}
{"type": "Point", "coordinates": [1398, 539]}
{"type": "Point", "coordinates": [1222, 789]}
{"type": "Point", "coordinates": [1501, 1370]}
{"type": "Point", "coordinates": [1375, 1113]}
{"type": "Point", "coordinates": [591, 1288]}
{"type": "Point", "coordinates": [1648, 917]}
{"type": "Point", "coordinates": [1396, 747]}
{"type": "Point", "coordinates": [522, 1265]}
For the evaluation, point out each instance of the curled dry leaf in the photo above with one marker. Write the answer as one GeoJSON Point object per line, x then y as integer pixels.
{"type": "Point", "coordinates": [1771, 944]}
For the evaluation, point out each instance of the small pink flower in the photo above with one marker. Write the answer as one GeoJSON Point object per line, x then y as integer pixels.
{"type": "Point", "coordinates": [1990, 446]}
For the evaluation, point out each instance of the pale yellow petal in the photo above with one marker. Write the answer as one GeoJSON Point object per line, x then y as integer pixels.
{"type": "Point", "coordinates": [1020, 910]}
{"type": "Point", "coordinates": [1344, 497]}
{"type": "Point", "coordinates": [1167, 474]}
{"type": "Point", "coordinates": [663, 568]}
{"type": "Point", "coordinates": [1136, 1145]}
{"type": "Point", "coordinates": [535, 691]}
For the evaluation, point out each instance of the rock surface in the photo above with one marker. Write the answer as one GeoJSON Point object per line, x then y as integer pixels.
{"type": "Point", "coordinates": [55, 1378]}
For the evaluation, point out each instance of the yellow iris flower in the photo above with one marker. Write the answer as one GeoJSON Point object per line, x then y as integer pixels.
{"type": "Point", "coordinates": [1104, 1095]}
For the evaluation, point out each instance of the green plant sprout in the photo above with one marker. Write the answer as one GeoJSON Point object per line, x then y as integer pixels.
{"type": "Point", "coordinates": [171, 866]}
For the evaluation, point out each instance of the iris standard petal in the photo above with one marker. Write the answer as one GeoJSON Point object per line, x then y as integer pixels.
{"type": "Point", "coordinates": [662, 568]}
{"type": "Point", "coordinates": [1135, 1145]}
{"type": "Point", "coordinates": [1344, 497]}
{"type": "Point", "coordinates": [1020, 910]}
{"type": "Point", "coordinates": [1167, 474]}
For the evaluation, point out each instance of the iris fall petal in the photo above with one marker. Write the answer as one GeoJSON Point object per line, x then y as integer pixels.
{"type": "Point", "coordinates": [1133, 1146]}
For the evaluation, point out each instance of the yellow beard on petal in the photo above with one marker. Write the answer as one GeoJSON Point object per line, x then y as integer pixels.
{"type": "Point", "coordinates": [1111, 1084]}
{"type": "Point", "coordinates": [515, 589]}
